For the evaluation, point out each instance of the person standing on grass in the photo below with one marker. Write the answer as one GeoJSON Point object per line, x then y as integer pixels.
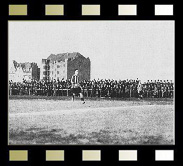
{"type": "Point", "coordinates": [75, 87]}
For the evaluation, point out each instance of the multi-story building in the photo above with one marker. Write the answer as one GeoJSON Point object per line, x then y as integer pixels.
{"type": "Point", "coordinates": [26, 71]}
{"type": "Point", "coordinates": [62, 66]}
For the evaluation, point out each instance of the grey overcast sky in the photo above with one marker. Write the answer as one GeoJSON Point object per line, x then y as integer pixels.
{"type": "Point", "coordinates": [117, 49]}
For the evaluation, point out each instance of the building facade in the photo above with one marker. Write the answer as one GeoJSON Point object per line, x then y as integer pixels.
{"type": "Point", "coordinates": [62, 66]}
{"type": "Point", "coordinates": [26, 71]}
{"type": "Point", "coordinates": [44, 69]}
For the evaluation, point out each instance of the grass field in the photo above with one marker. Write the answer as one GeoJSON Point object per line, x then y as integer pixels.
{"type": "Point", "coordinates": [107, 122]}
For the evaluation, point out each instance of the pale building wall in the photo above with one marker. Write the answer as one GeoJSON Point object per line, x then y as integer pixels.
{"type": "Point", "coordinates": [58, 70]}
{"type": "Point", "coordinates": [19, 75]}
{"type": "Point", "coordinates": [11, 71]}
{"type": "Point", "coordinates": [16, 75]}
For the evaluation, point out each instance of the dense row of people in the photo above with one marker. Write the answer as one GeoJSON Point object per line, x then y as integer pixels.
{"type": "Point", "coordinates": [96, 88]}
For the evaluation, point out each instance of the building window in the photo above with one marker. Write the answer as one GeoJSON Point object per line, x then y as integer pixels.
{"type": "Point", "coordinates": [58, 66]}
{"type": "Point", "coordinates": [57, 72]}
{"type": "Point", "coordinates": [46, 67]}
{"type": "Point", "coordinates": [44, 73]}
{"type": "Point", "coordinates": [64, 64]}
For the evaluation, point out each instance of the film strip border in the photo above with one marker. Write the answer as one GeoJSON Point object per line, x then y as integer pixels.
{"type": "Point", "coordinates": [91, 10]}
{"type": "Point", "coordinates": [22, 10]}
{"type": "Point", "coordinates": [67, 10]}
{"type": "Point", "coordinates": [89, 155]}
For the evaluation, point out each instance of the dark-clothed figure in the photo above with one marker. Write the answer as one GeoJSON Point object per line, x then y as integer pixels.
{"type": "Point", "coordinates": [76, 89]}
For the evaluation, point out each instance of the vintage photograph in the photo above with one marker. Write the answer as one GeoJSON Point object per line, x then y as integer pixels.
{"type": "Point", "coordinates": [91, 83]}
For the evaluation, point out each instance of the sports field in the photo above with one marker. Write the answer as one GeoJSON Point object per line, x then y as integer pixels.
{"type": "Point", "coordinates": [97, 122]}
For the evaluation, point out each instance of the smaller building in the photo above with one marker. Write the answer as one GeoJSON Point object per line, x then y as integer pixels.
{"type": "Point", "coordinates": [26, 71]}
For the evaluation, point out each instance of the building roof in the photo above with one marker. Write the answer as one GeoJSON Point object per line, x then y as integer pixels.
{"type": "Point", "coordinates": [16, 65]}
{"type": "Point", "coordinates": [25, 66]}
{"type": "Point", "coordinates": [64, 56]}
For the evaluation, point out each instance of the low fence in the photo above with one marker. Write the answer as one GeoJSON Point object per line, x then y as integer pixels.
{"type": "Point", "coordinates": [93, 93]}
{"type": "Point", "coordinates": [62, 92]}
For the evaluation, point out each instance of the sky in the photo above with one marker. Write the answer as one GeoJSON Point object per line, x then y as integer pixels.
{"type": "Point", "coordinates": [117, 49]}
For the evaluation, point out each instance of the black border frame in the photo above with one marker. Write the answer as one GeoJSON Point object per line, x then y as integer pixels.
{"type": "Point", "coordinates": [73, 154]}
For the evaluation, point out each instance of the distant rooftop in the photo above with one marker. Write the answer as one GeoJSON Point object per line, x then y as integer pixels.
{"type": "Point", "coordinates": [25, 66]}
{"type": "Point", "coordinates": [64, 56]}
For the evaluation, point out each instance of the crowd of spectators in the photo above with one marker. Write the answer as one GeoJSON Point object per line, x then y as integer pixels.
{"type": "Point", "coordinates": [96, 88]}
